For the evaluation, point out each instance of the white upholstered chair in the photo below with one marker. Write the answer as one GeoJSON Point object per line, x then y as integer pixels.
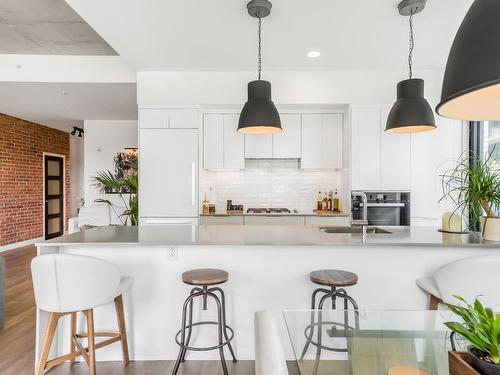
{"type": "Point", "coordinates": [66, 284]}
{"type": "Point", "coordinates": [269, 357]}
{"type": "Point", "coordinates": [469, 277]}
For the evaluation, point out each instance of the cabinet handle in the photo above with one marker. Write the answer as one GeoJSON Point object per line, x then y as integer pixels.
{"type": "Point", "coordinates": [193, 183]}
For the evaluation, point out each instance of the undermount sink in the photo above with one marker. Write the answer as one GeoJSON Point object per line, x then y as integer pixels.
{"type": "Point", "coordinates": [355, 230]}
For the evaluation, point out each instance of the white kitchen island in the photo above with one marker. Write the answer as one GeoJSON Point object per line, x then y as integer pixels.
{"type": "Point", "coordinates": [268, 269]}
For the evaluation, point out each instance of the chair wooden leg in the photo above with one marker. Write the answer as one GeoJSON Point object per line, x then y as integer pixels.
{"type": "Point", "coordinates": [47, 342]}
{"type": "Point", "coordinates": [72, 346]}
{"type": "Point", "coordinates": [120, 317]}
{"type": "Point", "coordinates": [91, 341]}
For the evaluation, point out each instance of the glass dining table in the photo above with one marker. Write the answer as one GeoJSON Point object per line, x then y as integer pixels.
{"type": "Point", "coordinates": [338, 342]}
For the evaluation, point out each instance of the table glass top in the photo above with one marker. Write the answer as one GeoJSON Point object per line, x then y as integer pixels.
{"type": "Point", "coordinates": [374, 343]}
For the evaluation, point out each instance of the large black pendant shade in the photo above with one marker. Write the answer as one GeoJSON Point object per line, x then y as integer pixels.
{"type": "Point", "coordinates": [259, 114]}
{"type": "Point", "coordinates": [411, 113]}
{"type": "Point", "coordinates": [471, 86]}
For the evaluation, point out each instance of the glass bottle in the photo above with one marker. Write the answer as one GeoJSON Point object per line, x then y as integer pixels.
{"type": "Point", "coordinates": [336, 204]}
{"type": "Point", "coordinates": [319, 201]}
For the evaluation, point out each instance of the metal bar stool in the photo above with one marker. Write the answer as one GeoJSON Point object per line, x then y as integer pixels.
{"type": "Point", "coordinates": [202, 279]}
{"type": "Point", "coordinates": [336, 280]}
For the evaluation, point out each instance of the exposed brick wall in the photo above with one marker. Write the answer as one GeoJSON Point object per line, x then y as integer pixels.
{"type": "Point", "coordinates": [22, 144]}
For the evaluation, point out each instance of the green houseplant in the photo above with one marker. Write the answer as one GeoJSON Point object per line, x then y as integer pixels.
{"type": "Point", "coordinates": [473, 186]}
{"type": "Point", "coordinates": [107, 183]}
{"type": "Point", "coordinates": [481, 328]}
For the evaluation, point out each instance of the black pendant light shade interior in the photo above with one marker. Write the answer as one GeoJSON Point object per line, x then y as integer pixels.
{"type": "Point", "coordinates": [411, 113]}
{"type": "Point", "coordinates": [259, 114]}
{"type": "Point", "coordinates": [471, 86]}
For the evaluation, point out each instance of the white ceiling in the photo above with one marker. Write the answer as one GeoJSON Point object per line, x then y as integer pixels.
{"type": "Point", "coordinates": [64, 105]}
{"type": "Point", "coordinates": [48, 27]}
{"type": "Point", "coordinates": [220, 35]}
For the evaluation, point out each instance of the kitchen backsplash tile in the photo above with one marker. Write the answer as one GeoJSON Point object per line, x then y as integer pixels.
{"type": "Point", "coordinates": [272, 183]}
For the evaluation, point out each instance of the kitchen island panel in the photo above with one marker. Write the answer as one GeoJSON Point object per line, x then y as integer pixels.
{"type": "Point", "coordinates": [260, 277]}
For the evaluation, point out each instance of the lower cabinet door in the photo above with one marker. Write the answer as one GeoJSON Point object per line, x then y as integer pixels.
{"type": "Point", "coordinates": [221, 220]}
{"type": "Point", "coordinates": [341, 221]}
{"type": "Point", "coordinates": [274, 220]}
{"type": "Point", "coordinates": [168, 221]}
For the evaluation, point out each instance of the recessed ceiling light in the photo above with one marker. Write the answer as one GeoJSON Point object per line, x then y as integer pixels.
{"type": "Point", "coordinates": [314, 54]}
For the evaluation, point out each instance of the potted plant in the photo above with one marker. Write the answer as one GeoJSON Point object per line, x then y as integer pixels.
{"type": "Point", "coordinates": [109, 184]}
{"type": "Point", "coordinates": [473, 186]}
{"type": "Point", "coordinates": [481, 328]}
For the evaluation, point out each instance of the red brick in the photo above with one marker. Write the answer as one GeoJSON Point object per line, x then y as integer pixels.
{"type": "Point", "coordinates": [22, 144]}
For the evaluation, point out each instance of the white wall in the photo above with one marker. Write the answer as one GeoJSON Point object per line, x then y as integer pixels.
{"type": "Point", "coordinates": [288, 87]}
{"type": "Point", "coordinates": [64, 68]}
{"type": "Point", "coordinates": [76, 146]}
{"type": "Point", "coordinates": [103, 140]}
{"type": "Point", "coordinates": [270, 183]}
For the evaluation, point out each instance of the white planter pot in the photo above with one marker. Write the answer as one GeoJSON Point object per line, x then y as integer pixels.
{"type": "Point", "coordinates": [492, 230]}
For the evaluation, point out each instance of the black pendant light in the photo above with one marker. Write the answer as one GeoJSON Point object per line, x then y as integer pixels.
{"type": "Point", "coordinates": [411, 113]}
{"type": "Point", "coordinates": [471, 86]}
{"type": "Point", "coordinates": [259, 115]}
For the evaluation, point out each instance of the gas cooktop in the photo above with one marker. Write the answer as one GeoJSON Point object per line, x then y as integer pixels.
{"type": "Point", "coordinates": [264, 210]}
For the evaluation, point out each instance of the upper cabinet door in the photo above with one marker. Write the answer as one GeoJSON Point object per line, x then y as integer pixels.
{"type": "Point", "coordinates": [286, 144]}
{"type": "Point", "coordinates": [163, 118]}
{"type": "Point", "coordinates": [153, 119]}
{"type": "Point", "coordinates": [322, 140]}
{"type": "Point", "coordinates": [365, 148]}
{"type": "Point", "coordinates": [395, 157]}
{"type": "Point", "coordinates": [332, 140]}
{"type": "Point", "coordinates": [311, 141]}
{"type": "Point", "coordinates": [234, 143]}
{"type": "Point", "coordinates": [258, 146]}
{"type": "Point", "coordinates": [213, 141]}
{"type": "Point", "coordinates": [188, 118]}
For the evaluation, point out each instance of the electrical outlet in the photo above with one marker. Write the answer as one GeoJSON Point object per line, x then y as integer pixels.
{"type": "Point", "coordinates": [172, 253]}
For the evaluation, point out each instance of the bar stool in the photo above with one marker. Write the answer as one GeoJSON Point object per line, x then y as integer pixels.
{"type": "Point", "coordinates": [202, 279]}
{"type": "Point", "coordinates": [66, 284]}
{"type": "Point", "coordinates": [333, 279]}
{"type": "Point", "coordinates": [336, 280]}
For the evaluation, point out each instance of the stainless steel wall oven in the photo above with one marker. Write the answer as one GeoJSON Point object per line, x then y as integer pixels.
{"type": "Point", "coordinates": [384, 208]}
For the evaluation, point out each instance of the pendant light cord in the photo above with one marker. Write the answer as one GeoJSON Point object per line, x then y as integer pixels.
{"type": "Point", "coordinates": [412, 45]}
{"type": "Point", "coordinates": [260, 47]}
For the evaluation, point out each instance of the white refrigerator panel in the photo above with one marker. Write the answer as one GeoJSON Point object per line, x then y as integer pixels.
{"type": "Point", "coordinates": [168, 173]}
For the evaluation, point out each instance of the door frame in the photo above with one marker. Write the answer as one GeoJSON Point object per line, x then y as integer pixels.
{"type": "Point", "coordinates": [44, 154]}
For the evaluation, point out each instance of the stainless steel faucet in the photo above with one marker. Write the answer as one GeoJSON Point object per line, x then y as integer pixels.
{"type": "Point", "coordinates": [364, 220]}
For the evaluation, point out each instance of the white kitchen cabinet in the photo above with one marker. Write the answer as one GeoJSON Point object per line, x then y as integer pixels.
{"type": "Point", "coordinates": [341, 221]}
{"type": "Point", "coordinates": [161, 118]}
{"type": "Point", "coordinates": [322, 140]}
{"type": "Point", "coordinates": [168, 173]}
{"type": "Point", "coordinates": [153, 119]}
{"type": "Point", "coordinates": [223, 146]}
{"type": "Point", "coordinates": [188, 118]}
{"type": "Point", "coordinates": [221, 220]}
{"type": "Point", "coordinates": [433, 153]}
{"type": "Point", "coordinates": [395, 158]}
{"type": "Point", "coordinates": [168, 221]}
{"type": "Point", "coordinates": [365, 148]}
{"type": "Point", "coordinates": [213, 141]}
{"type": "Point", "coordinates": [274, 220]}
{"type": "Point", "coordinates": [287, 143]}
{"type": "Point", "coordinates": [258, 146]}
{"type": "Point", "coordinates": [234, 143]}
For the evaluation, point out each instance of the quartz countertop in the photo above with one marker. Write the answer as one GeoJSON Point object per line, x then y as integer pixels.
{"type": "Point", "coordinates": [300, 213]}
{"type": "Point", "coordinates": [257, 235]}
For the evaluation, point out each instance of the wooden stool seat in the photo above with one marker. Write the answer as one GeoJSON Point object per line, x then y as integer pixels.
{"type": "Point", "coordinates": [335, 278]}
{"type": "Point", "coordinates": [205, 276]}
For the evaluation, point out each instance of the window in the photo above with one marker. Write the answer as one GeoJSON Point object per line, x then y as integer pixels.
{"type": "Point", "coordinates": [485, 139]}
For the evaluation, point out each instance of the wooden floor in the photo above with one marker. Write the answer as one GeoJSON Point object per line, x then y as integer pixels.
{"type": "Point", "coordinates": [17, 339]}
